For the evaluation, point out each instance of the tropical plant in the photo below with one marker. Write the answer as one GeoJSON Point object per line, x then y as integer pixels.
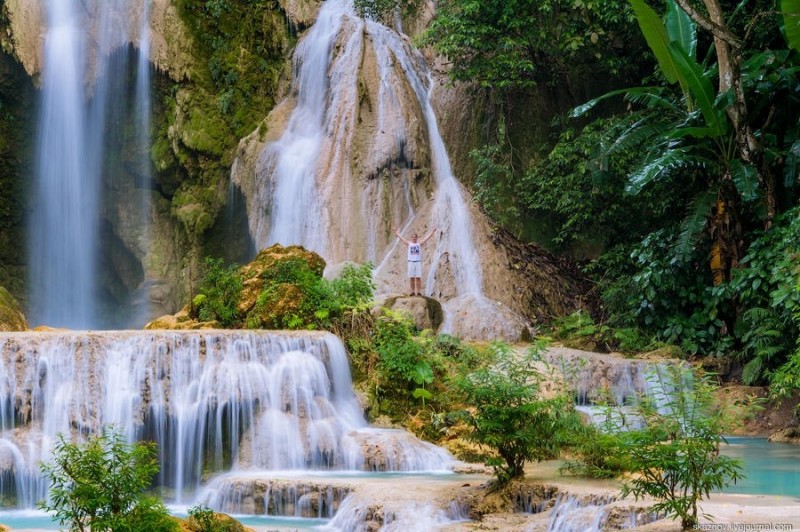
{"type": "Point", "coordinates": [675, 457]}
{"type": "Point", "coordinates": [509, 413]}
{"type": "Point", "coordinates": [204, 519]}
{"type": "Point", "coordinates": [354, 286]}
{"type": "Point", "coordinates": [383, 10]}
{"type": "Point", "coordinates": [220, 289]}
{"type": "Point", "coordinates": [100, 485]}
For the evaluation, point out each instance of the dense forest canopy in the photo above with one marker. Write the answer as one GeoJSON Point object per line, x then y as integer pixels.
{"type": "Point", "coordinates": [679, 192]}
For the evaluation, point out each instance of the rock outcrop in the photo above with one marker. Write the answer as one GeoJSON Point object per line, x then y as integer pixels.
{"type": "Point", "coordinates": [269, 269]}
{"type": "Point", "coordinates": [425, 312]}
{"type": "Point", "coordinates": [11, 316]}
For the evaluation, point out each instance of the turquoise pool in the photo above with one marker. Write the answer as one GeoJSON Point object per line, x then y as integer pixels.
{"type": "Point", "coordinates": [770, 468]}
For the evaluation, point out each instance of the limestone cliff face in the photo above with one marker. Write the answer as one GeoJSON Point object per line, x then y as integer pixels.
{"type": "Point", "coordinates": [26, 32]}
{"type": "Point", "coordinates": [377, 168]}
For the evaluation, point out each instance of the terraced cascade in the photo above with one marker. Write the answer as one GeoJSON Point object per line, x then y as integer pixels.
{"type": "Point", "coordinates": [243, 407]}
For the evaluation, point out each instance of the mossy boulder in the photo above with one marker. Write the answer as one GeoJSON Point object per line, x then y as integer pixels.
{"type": "Point", "coordinates": [267, 265]}
{"type": "Point", "coordinates": [11, 316]}
{"type": "Point", "coordinates": [213, 521]}
{"type": "Point", "coordinates": [275, 288]}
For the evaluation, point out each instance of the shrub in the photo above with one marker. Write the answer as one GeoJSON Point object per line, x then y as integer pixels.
{"type": "Point", "coordinates": [675, 457]}
{"type": "Point", "coordinates": [100, 486]}
{"type": "Point", "coordinates": [204, 519]}
{"type": "Point", "coordinates": [354, 286]}
{"type": "Point", "coordinates": [219, 293]}
{"type": "Point", "coordinates": [510, 414]}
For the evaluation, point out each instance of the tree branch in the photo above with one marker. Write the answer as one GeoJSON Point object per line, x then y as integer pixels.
{"type": "Point", "coordinates": [720, 32]}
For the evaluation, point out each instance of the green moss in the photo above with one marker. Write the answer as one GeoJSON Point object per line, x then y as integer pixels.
{"type": "Point", "coordinates": [11, 317]}
{"type": "Point", "coordinates": [240, 51]}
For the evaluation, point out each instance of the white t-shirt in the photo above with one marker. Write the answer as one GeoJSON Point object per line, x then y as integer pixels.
{"type": "Point", "coordinates": [414, 252]}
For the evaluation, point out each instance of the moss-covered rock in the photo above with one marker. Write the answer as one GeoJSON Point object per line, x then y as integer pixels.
{"type": "Point", "coordinates": [274, 290]}
{"type": "Point", "coordinates": [11, 317]}
{"type": "Point", "coordinates": [213, 521]}
{"type": "Point", "coordinates": [258, 271]}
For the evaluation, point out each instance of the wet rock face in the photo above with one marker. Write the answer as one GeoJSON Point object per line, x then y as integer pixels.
{"type": "Point", "coordinates": [297, 498]}
{"type": "Point", "coordinates": [11, 316]}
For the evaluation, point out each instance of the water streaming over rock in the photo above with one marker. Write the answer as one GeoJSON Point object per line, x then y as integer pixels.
{"type": "Point", "coordinates": [80, 92]}
{"type": "Point", "coordinates": [316, 184]}
{"type": "Point", "coordinates": [212, 401]}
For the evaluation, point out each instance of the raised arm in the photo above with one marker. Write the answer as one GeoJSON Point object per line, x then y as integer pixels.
{"type": "Point", "coordinates": [400, 236]}
{"type": "Point", "coordinates": [428, 236]}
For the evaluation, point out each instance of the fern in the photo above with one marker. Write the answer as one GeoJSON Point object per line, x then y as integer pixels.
{"type": "Point", "coordinates": [765, 341]}
{"type": "Point", "coordinates": [694, 224]}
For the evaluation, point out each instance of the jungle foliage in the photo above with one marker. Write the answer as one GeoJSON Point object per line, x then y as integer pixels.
{"type": "Point", "coordinates": [682, 201]}
{"type": "Point", "coordinates": [510, 413]}
{"type": "Point", "coordinates": [518, 43]}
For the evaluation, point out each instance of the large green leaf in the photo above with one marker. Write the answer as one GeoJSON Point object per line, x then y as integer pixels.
{"type": "Point", "coordinates": [657, 39]}
{"type": "Point", "coordinates": [700, 88]}
{"type": "Point", "coordinates": [681, 28]}
{"type": "Point", "coordinates": [662, 165]}
{"type": "Point", "coordinates": [745, 177]}
{"type": "Point", "coordinates": [790, 10]}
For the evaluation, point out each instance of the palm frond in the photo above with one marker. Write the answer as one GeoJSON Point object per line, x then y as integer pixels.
{"type": "Point", "coordinates": [695, 223]}
{"type": "Point", "coordinates": [670, 159]}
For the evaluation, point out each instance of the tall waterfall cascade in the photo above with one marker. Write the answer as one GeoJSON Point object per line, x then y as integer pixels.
{"type": "Point", "coordinates": [82, 93]}
{"type": "Point", "coordinates": [239, 403]}
{"type": "Point", "coordinates": [354, 150]}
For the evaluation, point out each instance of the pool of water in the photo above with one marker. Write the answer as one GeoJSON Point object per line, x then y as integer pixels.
{"type": "Point", "coordinates": [32, 520]}
{"type": "Point", "coordinates": [770, 468]}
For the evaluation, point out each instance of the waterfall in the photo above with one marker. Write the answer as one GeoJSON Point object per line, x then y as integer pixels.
{"type": "Point", "coordinates": [307, 191]}
{"type": "Point", "coordinates": [211, 400]}
{"type": "Point", "coordinates": [80, 94]}
{"type": "Point", "coordinates": [63, 226]}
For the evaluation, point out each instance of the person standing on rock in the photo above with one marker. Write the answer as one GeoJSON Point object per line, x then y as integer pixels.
{"type": "Point", "coordinates": [415, 260]}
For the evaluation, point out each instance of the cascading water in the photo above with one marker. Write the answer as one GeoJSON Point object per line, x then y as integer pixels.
{"type": "Point", "coordinates": [80, 93]}
{"type": "Point", "coordinates": [306, 187]}
{"type": "Point", "coordinates": [63, 227]}
{"type": "Point", "coordinates": [217, 400]}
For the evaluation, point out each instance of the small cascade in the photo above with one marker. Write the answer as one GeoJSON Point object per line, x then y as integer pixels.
{"type": "Point", "coordinates": [82, 94]}
{"type": "Point", "coordinates": [359, 513]}
{"type": "Point", "coordinates": [599, 381]}
{"type": "Point", "coordinates": [575, 514]}
{"type": "Point", "coordinates": [221, 401]}
{"type": "Point", "coordinates": [303, 497]}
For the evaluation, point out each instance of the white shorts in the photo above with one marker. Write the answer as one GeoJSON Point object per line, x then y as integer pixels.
{"type": "Point", "coordinates": [415, 268]}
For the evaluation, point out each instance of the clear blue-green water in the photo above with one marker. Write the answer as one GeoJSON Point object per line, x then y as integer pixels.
{"type": "Point", "coordinates": [30, 520]}
{"type": "Point", "coordinates": [770, 468]}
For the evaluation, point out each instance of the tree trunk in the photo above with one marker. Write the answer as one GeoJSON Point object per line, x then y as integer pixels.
{"type": "Point", "coordinates": [729, 61]}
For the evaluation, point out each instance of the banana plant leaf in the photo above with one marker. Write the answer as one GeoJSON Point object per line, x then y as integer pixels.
{"type": "Point", "coordinates": [790, 11]}
{"type": "Point", "coordinates": [657, 39]}
{"type": "Point", "coordinates": [681, 28]}
{"type": "Point", "coordinates": [700, 88]}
